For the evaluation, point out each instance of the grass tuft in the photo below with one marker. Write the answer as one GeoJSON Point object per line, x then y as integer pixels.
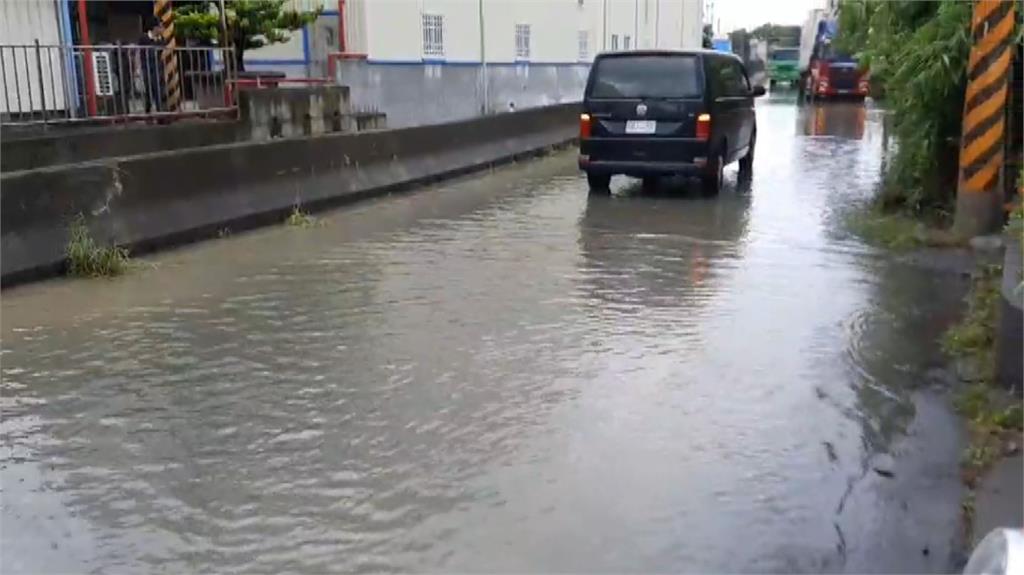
{"type": "Point", "coordinates": [88, 259]}
{"type": "Point", "coordinates": [300, 219]}
{"type": "Point", "coordinates": [974, 336]}
{"type": "Point", "coordinates": [898, 231]}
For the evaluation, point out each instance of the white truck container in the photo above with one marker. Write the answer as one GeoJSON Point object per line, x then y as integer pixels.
{"type": "Point", "coordinates": [808, 36]}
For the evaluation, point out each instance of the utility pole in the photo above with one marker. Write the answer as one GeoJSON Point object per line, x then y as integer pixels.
{"type": "Point", "coordinates": [636, 23]}
{"type": "Point", "coordinates": [979, 195]}
{"type": "Point", "coordinates": [657, 21]}
{"type": "Point", "coordinates": [483, 60]}
{"type": "Point", "coordinates": [604, 25]}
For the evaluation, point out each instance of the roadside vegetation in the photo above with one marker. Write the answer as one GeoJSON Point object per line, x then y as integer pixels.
{"type": "Point", "coordinates": [85, 258]}
{"type": "Point", "coordinates": [994, 418]}
{"type": "Point", "coordinates": [918, 51]}
{"type": "Point", "coordinates": [300, 219]}
{"type": "Point", "coordinates": [900, 230]}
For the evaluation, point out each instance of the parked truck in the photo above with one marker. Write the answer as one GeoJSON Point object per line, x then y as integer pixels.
{"type": "Point", "coordinates": [824, 71]}
{"type": "Point", "coordinates": [783, 65]}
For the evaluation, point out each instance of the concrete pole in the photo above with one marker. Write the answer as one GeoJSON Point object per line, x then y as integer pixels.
{"type": "Point", "coordinates": [657, 21]}
{"type": "Point", "coordinates": [604, 25]}
{"type": "Point", "coordinates": [483, 60]}
{"type": "Point", "coordinates": [636, 23]}
{"type": "Point", "coordinates": [979, 194]}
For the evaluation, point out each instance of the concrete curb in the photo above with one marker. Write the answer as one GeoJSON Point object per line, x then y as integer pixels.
{"type": "Point", "coordinates": [157, 200]}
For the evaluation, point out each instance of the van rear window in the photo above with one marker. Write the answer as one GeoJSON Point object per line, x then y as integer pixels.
{"type": "Point", "coordinates": [647, 76]}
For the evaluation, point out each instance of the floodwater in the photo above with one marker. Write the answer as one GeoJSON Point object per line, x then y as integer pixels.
{"type": "Point", "coordinates": [501, 373]}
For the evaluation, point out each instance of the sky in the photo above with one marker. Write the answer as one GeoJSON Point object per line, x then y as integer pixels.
{"type": "Point", "coordinates": [750, 14]}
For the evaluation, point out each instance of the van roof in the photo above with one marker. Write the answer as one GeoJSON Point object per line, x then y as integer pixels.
{"type": "Point", "coordinates": [701, 52]}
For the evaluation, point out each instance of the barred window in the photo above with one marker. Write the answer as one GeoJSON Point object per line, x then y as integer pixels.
{"type": "Point", "coordinates": [625, 42]}
{"type": "Point", "coordinates": [433, 35]}
{"type": "Point", "coordinates": [583, 42]}
{"type": "Point", "coordinates": [615, 41]}
{"type": "Point", "coordinates": [522, 41]}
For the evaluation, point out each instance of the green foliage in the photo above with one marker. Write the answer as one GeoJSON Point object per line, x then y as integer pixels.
{"type": "Point", "coordinates": [975, 334]}
{"type": "Point", "coordinates": [994, 418]}
{"type": "Point", "coordinates": [87, 259]}
{"type": "Point", "coordinates": [777, 34]}
{"type": "Point", "coordinates": [251, 23]}
{"type": "Point", "coordinates": [1010, 418]}
{"type": "Point", "coordinates": [1015, 224]}
{"type": "Point", "coordinates": [899, 231]}
{"type": "Point", "coordinates": [300, 219]}
{"type": "Point", "coordinates": [893, 231]}
{"type": "Point", "coordinates": [918, 50]}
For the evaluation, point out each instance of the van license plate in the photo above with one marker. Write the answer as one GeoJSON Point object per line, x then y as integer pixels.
{"type": "Point", "coordinates": [641, 126]}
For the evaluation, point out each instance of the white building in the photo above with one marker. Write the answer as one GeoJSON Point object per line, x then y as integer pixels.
{"type": "Point", "coordinates": [535, 31]}
{"type": "Point", "coordinates": [423, 61]}
{"type": "Point", "coordinates": [556, 32]}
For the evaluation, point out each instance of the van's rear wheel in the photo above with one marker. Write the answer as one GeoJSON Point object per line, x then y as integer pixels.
{"type": "Point", "coordinates": [598, 182]}
{"type": "Point", "coordinates": [714, 173]}
{"type": "Point", "coordinates": [747, 162]}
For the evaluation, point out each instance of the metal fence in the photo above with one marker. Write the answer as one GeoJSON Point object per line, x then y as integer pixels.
{"type": "Point", "coordinates": [112, 83]}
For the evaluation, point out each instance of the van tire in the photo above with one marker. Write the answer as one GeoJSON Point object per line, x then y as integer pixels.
{"type": "Point", "coordinates": [598, 182]}
{"type": "Point", "coordinates": [747, 161]}
{"type": "Point", "coordinates": [711, 180]}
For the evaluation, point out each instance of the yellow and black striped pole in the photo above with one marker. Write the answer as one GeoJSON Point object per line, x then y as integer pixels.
{"type": "Point", "coordinates": [168, 56]}
{"type": "Point", "coordinates": [979, 196]}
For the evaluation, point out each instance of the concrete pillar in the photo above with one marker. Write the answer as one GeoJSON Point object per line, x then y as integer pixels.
{"type": "Point", "coordinates": [979, 191]}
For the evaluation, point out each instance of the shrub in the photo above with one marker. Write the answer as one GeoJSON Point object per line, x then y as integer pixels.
{"type": "Point", "coordinates": [87, 259]}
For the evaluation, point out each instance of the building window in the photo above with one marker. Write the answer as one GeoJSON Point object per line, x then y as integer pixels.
{"type": "Point", "coordinates": [522, 41]}
{"type": "Point", "coordinates": [625, 42]}
{"type": "Point", "coordinates": [584, 46]}
{"type": "Point", "coordinates": [615, 41]}
{"type": "Point", "coordinates": [433, 35]}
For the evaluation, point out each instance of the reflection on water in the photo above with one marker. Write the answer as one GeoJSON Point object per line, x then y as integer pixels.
{"type": "Point", "coordinates": [495, 374]}
{"type": "Point", "coordinates": [842, 119]}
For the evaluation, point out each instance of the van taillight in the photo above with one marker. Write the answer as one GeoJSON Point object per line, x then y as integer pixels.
{"type": "Point", "coordinates": [584, 126]}
{"type": "Point", "coordinates": [703, 126]}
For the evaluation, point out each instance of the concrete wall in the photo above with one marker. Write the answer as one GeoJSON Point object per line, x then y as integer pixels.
{"type": "Point", "coordinates": [286, 113]}
{"type": "Point", "coordinates": [71, 146]}
{"type": "Point", "coordinates": [264, 114]}
{"type": "Point", "coordinates": [145, 202]}
{"type": "Point", "coordinates": [416, 94]}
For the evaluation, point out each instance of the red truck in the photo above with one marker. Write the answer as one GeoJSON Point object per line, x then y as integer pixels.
{"type": "Point", "coordinates": [824, 71]}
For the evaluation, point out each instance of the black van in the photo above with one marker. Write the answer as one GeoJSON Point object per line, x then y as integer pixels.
{"type": "Point", "coordinates": [651, 113]}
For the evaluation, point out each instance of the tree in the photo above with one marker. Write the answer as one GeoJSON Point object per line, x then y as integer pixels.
{"type": "Point", "coordinates": [777, 34]}
{"type": "Point", "coordinates": [708, 36]}
{"type": "Point", "coordinates": [919, 50]}
{"type": "Point", "coordinates": [251, 23]}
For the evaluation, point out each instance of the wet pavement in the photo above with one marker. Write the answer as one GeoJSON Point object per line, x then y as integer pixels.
{"type": "Point", "coordinates": [501, 373]}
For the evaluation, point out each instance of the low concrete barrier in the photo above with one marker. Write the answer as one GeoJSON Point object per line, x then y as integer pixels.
{"type": "Point", "coordinates": [70, 145]}
{"type": "Point", "coordinates": [146, 202]}
{"type": "Point", "coordinates": [264, 114]}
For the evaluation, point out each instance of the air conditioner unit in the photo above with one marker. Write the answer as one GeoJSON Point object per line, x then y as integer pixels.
{"type": "Point", "coordinates": [102, 73]}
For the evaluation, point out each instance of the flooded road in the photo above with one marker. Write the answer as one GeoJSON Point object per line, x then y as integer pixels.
{"type": "Point", "coordinates": [501, 373]}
